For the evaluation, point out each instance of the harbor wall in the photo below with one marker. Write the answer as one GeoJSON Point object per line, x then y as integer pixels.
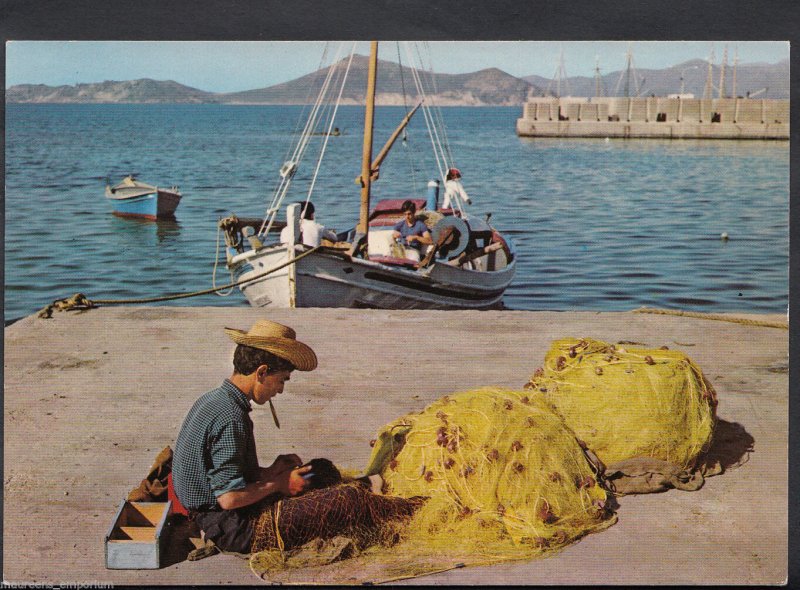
{"type": "Point", "coordinates": [656, 117]}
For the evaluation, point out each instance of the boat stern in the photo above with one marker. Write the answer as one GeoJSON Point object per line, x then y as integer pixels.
{"type": "Point", "coordinates": [261, 289]}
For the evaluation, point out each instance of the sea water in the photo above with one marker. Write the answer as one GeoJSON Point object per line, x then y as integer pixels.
{"type": "Point", "coordinates": [603, 225]}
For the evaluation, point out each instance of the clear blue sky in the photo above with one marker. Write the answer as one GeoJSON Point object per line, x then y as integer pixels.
{"type": "Point", "coordinates": [229, 66]}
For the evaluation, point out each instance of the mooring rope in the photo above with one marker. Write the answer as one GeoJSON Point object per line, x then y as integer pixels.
{"type": "Point", "coordinates": [419, 575]}
{"type": "Point", "coordinates": [276, 518]}
{"type": "Point", "coordinates": [80, 301]}
{"type": "Point", "coordinates": [712, 316]}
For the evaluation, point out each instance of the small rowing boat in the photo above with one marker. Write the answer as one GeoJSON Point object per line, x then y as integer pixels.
{"type": "Point", "coordinates": [134, 198]}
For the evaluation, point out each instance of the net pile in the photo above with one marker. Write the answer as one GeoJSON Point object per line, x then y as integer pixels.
{"type": "Point", "coordinates": [626, 402]}
{"type": "Point", "coordinates": [429, 218]}
{"type": "Point", "coordinates": [493, 474]}
{"type": "Point", "coordinates": [504, 477]}
{"type": "Point", "coordinates": [347, 509]}
{"type": "Point", "coordinates": [477, 477]}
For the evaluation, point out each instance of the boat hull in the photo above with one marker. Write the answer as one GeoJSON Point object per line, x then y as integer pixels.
{"type": "Point", "coordinates": [153, 205]}
{"type": "Point", "coordinates": [333, 279]}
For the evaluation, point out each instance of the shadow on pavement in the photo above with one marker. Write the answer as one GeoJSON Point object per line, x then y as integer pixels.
{"type": "Point", "coordinates": [730, 448]}
{"type": "Point", "coordinates": [178, 543]}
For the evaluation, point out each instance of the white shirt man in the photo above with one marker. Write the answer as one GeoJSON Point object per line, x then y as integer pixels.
{"type": "Point", "coordinates": [453, 191]}
{"type": "Point", "coordinates": [311, 232]}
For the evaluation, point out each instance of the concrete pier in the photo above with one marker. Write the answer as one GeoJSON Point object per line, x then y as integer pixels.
{"type": "Point", "coordinates": [91, 397]}
{"type": "Point", "coordinates": [655, 117]}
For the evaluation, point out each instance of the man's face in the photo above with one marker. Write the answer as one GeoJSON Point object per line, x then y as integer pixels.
{"type": "Point", "coordinates": [269, 385]}
{"type": "Point", "coordinates": [409, 217]}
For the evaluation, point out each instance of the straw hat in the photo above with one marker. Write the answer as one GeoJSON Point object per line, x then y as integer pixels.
{"type": "Point", "coordinates": [278, 339]}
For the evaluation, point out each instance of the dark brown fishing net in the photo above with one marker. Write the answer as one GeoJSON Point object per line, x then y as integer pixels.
{"type": "Point", "coordinates": [347, 509]}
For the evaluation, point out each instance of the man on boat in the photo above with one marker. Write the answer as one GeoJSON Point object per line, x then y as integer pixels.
{"type": "Point", "coordinates": [312, 232]}
{"type": "Point", "coordinates": [453, 191]}
{"type": "Point", "coordinates": [412, 232]}
{"type": "Point", "coordinates": [215, 467]}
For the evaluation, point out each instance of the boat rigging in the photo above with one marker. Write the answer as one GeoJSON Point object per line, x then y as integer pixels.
{"type": "Point", "coordinates": [469, 265]}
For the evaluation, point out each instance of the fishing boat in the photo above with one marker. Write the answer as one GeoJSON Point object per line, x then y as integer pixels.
{"type": "Point", "coordinates": [134, 198]}
{"type": "Point", "coordinates": [469, 265]}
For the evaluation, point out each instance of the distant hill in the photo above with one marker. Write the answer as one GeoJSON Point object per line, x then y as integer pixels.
{"type": "Point", "coordinates": [489, 87]}
{"type": "Point", "coordinates": [485, 87]}
{"type": "Point", "coordinates": [752, 77]}
{"type": "Point", "coordinates": [136, 91]}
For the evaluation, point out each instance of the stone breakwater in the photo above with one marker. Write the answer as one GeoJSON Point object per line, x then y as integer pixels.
{"type": "Point", "coordinates": [655, 117]}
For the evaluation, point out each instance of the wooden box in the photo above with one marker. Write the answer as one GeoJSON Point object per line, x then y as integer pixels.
{"type": "Point", "coordinates": [137, 537]}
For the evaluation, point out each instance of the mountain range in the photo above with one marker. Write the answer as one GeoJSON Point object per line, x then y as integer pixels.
{"type": "Point", "coordinates": [768, 80]}
{"type": "Point", "coordinates": [396, 86]}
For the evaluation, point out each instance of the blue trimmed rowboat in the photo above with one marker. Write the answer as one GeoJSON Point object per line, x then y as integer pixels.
{"type": "Point", "coordinates": [133, 198]}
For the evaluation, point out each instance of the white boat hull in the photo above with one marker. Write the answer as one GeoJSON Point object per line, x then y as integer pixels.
{"type": "Point", "coordinates": [332, 279]}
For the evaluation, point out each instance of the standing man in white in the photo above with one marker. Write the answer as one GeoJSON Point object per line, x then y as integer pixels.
{"type": "Point", "coordinates": [453, 189]}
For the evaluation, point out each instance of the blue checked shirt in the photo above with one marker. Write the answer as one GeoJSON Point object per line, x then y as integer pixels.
{"type": "Point", "coordinates": [216, 451]}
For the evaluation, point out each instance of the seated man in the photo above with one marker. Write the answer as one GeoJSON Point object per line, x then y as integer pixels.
{"type": "Point", "coordinates": [215, 467]}
{"type": "Point", "coordinates": [412, 232]}
{"type": "Point", "coordinates": [311, 232]}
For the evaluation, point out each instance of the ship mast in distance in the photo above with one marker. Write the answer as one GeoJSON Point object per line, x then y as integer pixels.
{"type": "Point", "coordinates": [597, 75]}
{"type": "Point", "coordinates": [709, 90]}
{"type": "Point", "coordinates": [629, 69]}
{"type": "Point", "coordinates": [561, 74]}
{"type": "Point", "coordinates": [735, 63]}
{"type": "Point", "coordinates": [722, 73]}
{"type": "Point", "coordinates": [628, 59]}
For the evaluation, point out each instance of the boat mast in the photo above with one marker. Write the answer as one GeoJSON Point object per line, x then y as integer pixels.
{"type": "Point", "coordinates": [366, 159]}
{"type": "Point", "coordinates": [709, 89]}
{"type": "Point", "coordinates": [376, 164]}
{"type": "Point", "coordinates": [597, 75]}
{"type": "Point", "coordinates": [628, 57]}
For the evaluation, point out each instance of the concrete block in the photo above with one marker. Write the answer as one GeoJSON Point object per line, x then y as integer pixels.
{"type": "Point", "coordinates": [689, 111]}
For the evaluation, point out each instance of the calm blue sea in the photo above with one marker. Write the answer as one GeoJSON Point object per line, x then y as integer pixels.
{"type": "Point", "coordinates": [598, 225]}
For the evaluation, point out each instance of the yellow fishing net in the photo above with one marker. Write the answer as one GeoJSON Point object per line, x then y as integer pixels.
{"type": "Point", "coordinates": [502, 474]}
{"type": "Point", "coordinates": [504, 479]}
{"type": "Point", "coordinates": [626, 402]}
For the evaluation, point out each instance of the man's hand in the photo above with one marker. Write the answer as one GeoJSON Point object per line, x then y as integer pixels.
{"type": "Point", "coordinates": [284, 476]}
{"type": "Point", "coordinates": [288, 475]}
{"type": "Point", "coordinates": [292, 483]}
{"type": "Point", "coordinates": [297, 483]}
{"type": "Point", "coordinates": [281, 464]}
{"type": "Point", "coordinates": [284, 462]}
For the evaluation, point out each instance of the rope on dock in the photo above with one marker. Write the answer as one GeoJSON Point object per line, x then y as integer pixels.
{"type": "Point", "coordinates": [712, 316]}
{"type": "Point", "coordinates": [79, 301]}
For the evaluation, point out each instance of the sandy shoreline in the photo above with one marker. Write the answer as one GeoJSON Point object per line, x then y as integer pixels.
{"type": "Point", "coordinates": [91, 397]}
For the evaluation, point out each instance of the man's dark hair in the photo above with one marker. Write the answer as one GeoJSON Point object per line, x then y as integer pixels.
{"type": "Point", "coordinates": [247, 359]}
{"type": "Point", "coordinates": [306, 209]}
{"type": "Point", "coordinates": [408, 206]}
